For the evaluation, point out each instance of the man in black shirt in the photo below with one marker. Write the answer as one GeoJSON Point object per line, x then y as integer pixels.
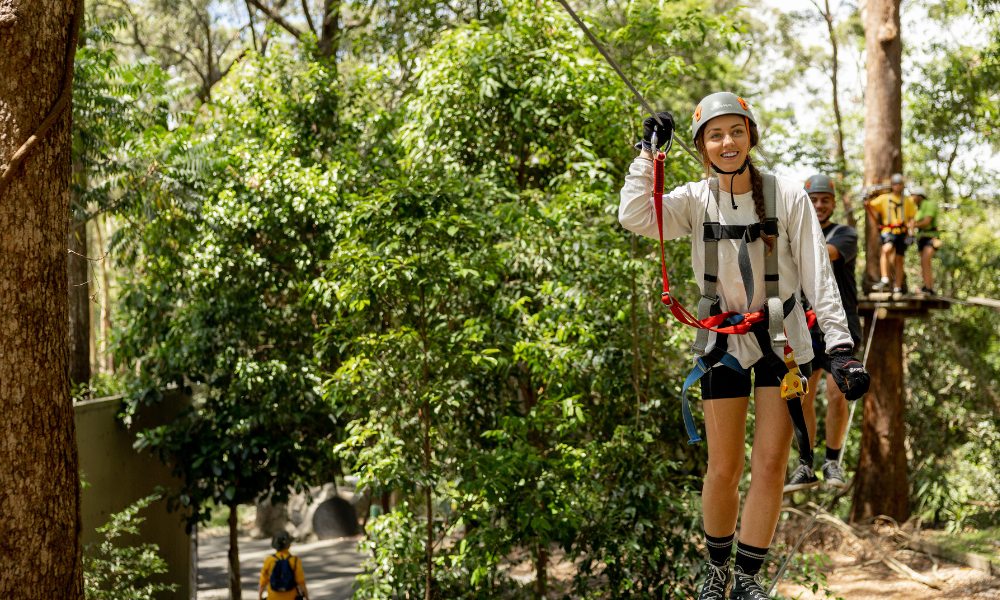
{"type": "Point", "coordinates": [842, 245]}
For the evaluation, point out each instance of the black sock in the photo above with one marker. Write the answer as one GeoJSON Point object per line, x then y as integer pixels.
{"type": "Point", "coordinates": [749, 559]}
{"type": "Point", "coordinates": [720, 548]}
{"type": "Point", "coordinates": [833, 453]}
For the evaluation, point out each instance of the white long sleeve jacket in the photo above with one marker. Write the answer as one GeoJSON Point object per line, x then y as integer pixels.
{"type": "Point", "coordinates": [803, 261]}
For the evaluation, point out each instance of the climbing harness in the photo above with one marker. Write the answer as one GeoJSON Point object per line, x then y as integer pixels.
{"type": "Point", "coordinates": [767, 324]}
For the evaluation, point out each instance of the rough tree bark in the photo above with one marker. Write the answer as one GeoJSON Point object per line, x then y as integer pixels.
{"type": "Point", "coordinates": [883, 110]}
{"type": "Point", "coordinates": [882, 487]}
{"type": "Point", "coordinates": [39, 484]}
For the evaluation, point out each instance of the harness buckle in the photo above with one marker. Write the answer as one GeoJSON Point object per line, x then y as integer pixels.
{"type": "Point", "coordinates": [666, 298]}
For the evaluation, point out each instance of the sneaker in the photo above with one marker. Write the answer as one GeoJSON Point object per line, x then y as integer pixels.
{"type": "Point", "coordinates": [928, 291]}
{"type": "Point", "coordinates": [833, 474]}
{"type": "Point", "coordinates": [880, 286]}
{"type": "Point", "coordinates": [716, 582]}
{"type": "Point", "coordinates": [898, 290]}
{"type": "Point", "coordinates": [747, 587]}
{"type": "Point", "coordinates": [803, 477]}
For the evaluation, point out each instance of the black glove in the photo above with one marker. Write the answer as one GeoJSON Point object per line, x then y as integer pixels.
{"type": "Point", "coordinates": [663, 132]}
{"type": "Point", "coordinates": [850, 375]}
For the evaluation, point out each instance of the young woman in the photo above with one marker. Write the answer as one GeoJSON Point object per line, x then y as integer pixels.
{"type": "Point", "coordinates": [724, 131]}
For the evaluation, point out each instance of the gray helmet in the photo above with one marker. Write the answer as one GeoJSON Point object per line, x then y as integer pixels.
{"type": "Point", "coordinates": [281, 541]}
{"type": "Point", "coordinates": [718, 104]}
{"type": "Point", "coordinates": [820, 184]}
{"type": "Point", "coordinates": [918, 190]}
{"type": "Point", "coordinates": [897, 178]}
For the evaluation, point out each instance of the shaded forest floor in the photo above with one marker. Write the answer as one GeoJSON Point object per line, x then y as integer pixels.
{"type": "Point", "coordinates": [854, 579]}
{"type": "Point", "coordinates": [878, 561]}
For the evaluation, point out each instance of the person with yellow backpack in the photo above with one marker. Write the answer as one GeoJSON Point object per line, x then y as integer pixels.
{"type": "Point", "coordinates": [282, 575]}
{"type": "Point", "coordinates": [894, 213]}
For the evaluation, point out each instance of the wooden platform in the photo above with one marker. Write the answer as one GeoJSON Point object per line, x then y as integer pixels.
{"type": "Point", "coordinates": [900, 306]}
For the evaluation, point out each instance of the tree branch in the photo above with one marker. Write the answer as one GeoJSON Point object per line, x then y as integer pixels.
{"type": "Point", "coordinates": [309, 20]}
{"type": "Point", "coordinates": [277, 18]}
{"type": "Point", "coordinates": [253, 30]}
{"type": "Point", "coordinates": [61, 104]}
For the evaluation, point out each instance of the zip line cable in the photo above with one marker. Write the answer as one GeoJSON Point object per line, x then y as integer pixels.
{"type": "Point", "coordinates": [810, 525]}
{"type": "Point", "coordinates": [614, 65]}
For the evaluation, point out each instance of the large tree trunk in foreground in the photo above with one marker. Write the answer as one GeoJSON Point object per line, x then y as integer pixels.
{"type": "Point", "coordinates": [882, 471]}
{"type": "Point", "coordinates": [39, 483]}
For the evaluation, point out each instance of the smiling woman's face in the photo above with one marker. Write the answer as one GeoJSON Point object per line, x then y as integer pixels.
{"type": "Point", "coordinates": [727, 141]}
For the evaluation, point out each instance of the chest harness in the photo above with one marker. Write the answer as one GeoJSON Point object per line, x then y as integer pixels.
{"type": "Point", "coordinates": [767, 324]}
{"type": "Point", "coordinates": [894, 211]}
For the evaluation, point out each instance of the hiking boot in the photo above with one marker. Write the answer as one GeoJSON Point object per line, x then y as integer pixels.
{"type": "Point", "coordinates": [747, 587]}
{"type": "Point", "coordinates": [716, 582]}
{"type": "Point", "coordinates": [803, 477]}
{"type": "Point", "coordinates": [833, 474]}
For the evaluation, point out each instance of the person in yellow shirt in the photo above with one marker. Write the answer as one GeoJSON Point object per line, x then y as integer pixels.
{"type": "Point", "coordinates": [895, 215]}
{"type": "Point", "coordinates": [282, 575]}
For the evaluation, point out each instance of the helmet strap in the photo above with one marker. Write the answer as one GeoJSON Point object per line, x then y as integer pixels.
{"type": "Point", "coordinates": [740, 171]}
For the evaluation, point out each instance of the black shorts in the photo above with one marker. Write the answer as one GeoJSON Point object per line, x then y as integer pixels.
{"type": "Point", "coordinates": [898, 241]}
{"type": "Point", "coordinates": [923, 242]}
{"type": "Point", "coordinates": [722, 382]}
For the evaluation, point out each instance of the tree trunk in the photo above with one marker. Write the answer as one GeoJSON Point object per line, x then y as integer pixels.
{"type": "Point", "coordinates": [882, 472]}
{"type": "Point", "coordinates": [107, 362]}
{"type": "Point", "coordinates": [235, 589]}
{"type": "Point", "coordinates": [79, 301]}
{"type": "Point", "coordinates": [329, 37]}
{"type": "Point", "coordinates": [881, 486]}
{"type": "Point", "coordinates": [541, 571]}
{"type": "Point", "coordinates": [883, 111]}
{"type": "Point", "coordinates": [39, 483]}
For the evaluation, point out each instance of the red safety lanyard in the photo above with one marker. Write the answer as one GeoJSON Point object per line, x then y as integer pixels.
{"type": "Point", "coordinates": [682, 314]}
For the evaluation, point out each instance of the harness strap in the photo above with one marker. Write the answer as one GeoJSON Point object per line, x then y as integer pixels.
{"type": "Point", "coordinates": [776, 325]}
{"type": "Point", "coordinates": [730, 322]}
{"type": "Point", "coordinates": [719, 355]}
{"type": "Point", "coordinates": [699, 370]}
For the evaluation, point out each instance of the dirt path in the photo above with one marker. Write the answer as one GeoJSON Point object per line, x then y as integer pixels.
{"type": "Point", "coordinates": [851, 579]}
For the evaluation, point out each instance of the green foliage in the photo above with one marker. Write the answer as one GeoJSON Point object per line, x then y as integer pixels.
{"type": "Point", "coordinates": [114, 570]}
{"type": "Point", "coordinates": [954, 402]}
{"type": "Point", "coordinates": [496, 338]}
{"type": "Point", "coordinates": [237, 218]}
{"type": "Point", "coordinates": [116, 108]}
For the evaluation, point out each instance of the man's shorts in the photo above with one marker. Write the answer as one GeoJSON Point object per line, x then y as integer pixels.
{"type": "Point", "coordinates": [898, 241]}
{"type": "Point", "coordinates": [821, 360]}
{"type": "Point", "coordinates": [722, 382]}
{"type": "Point", "coordinates": [923, 242]}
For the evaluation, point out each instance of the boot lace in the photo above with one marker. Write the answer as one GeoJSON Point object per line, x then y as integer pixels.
{"type": "Point", "coordinates": [750, 586]}
{"type": "Point", "coordinates": [715, 583]}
